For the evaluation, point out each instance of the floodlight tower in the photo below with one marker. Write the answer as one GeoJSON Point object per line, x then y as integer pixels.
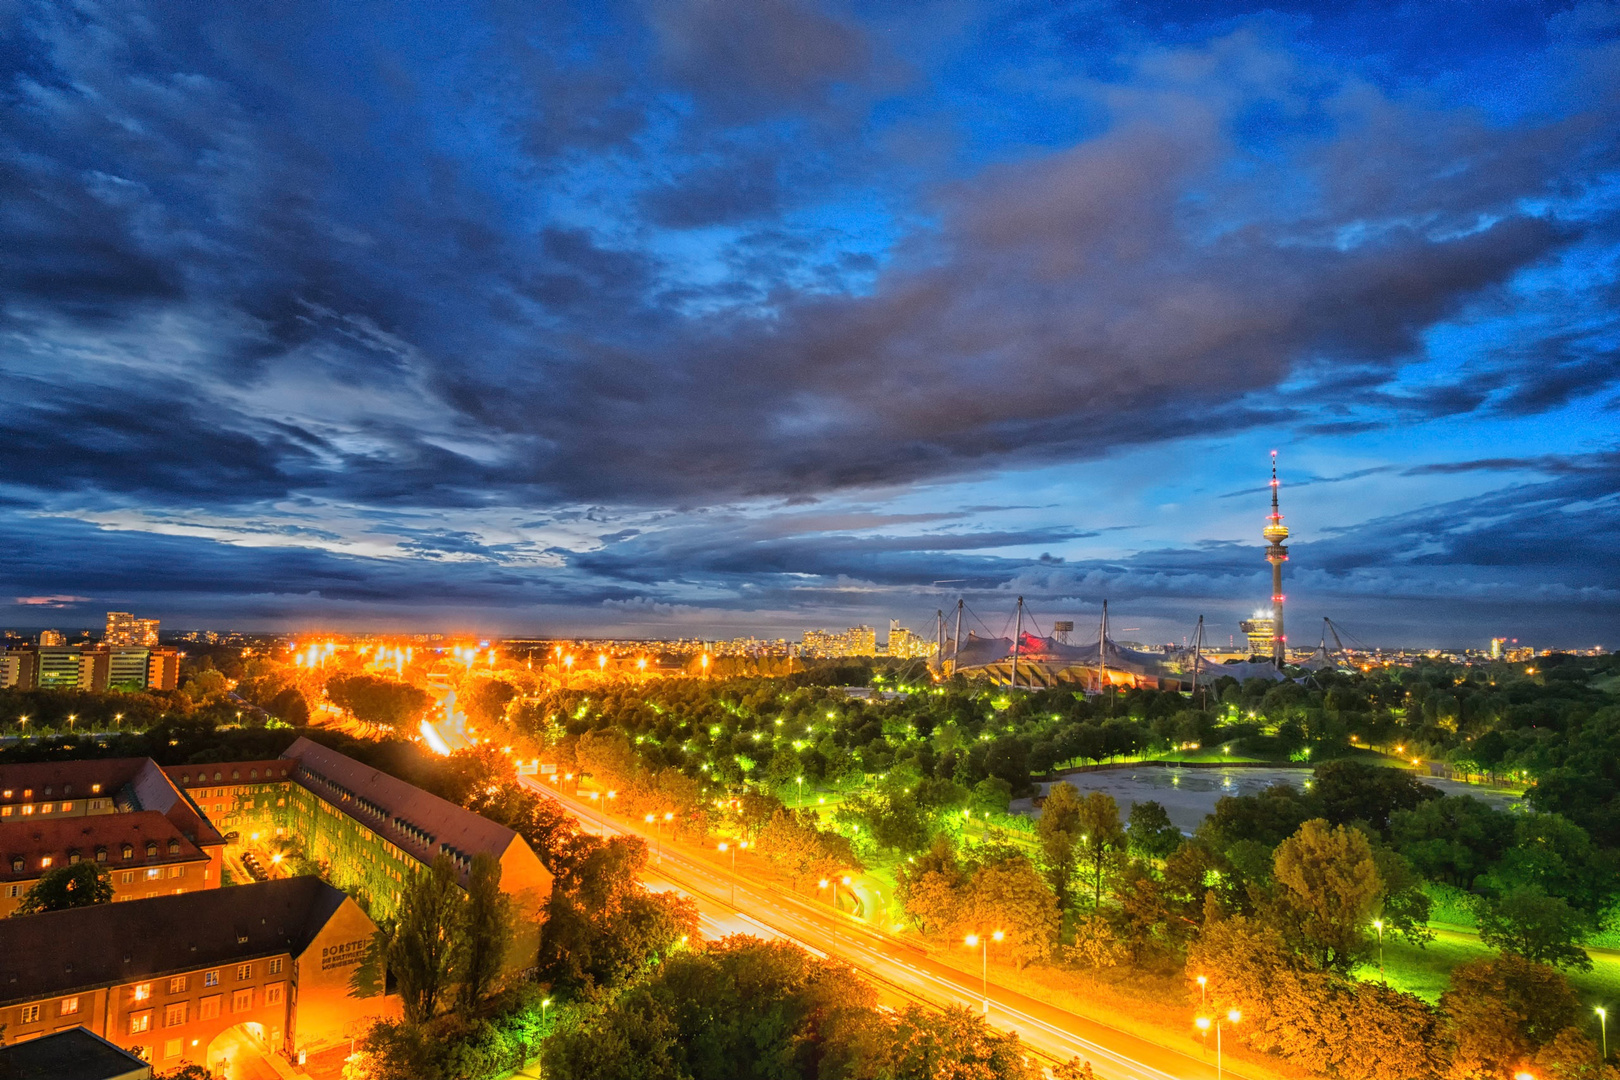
{"type": "Point", "coordinates": [1275, 533]}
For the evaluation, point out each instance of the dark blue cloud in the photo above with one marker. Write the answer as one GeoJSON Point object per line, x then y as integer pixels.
{"type": "Point", "coordinates": [498, 305]}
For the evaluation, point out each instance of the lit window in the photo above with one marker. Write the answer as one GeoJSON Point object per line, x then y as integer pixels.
{"type": "Point", "coordinates": [177, 985]}
{"type": "Point", "coordinates": [171, 1047]}
{"type": "Point", "coordinates": [5, 811]}
{"type": "Point", "coordinates": [27, 810]}
{"type": "Point", "coordinates": [244, 972]}
{"type": "Point", "coordinates": [242, 1000]}
{"type": "Point", "coordinates": [154, 873]}
{"type": "Point", "coordinates": [211, 978]}
{"type": "Point", "coordinates": [176, 1014]}
{"type": "Point", "coordinates": [29, 1014]}
{"type": "Point", "coordinates": [67, 806]}
{"type": "Point", "coordinates": [46, 808]}
{"type": "Point", "coordinates": [69, 1006]}
{"type": "Point", "coordinates": [143, 991]}
{"type": "Point", "coordinates": [95, 789]}
{"type": "Point", "coordinates": [44, 861]}
{"type": "Point", "coordinates": [208, 1008]}
{"type": "Point", "coordinates": [140, 1022]}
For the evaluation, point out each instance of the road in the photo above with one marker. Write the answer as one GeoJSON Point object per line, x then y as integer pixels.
{"type": "Point", "coordinates": [736, 904]}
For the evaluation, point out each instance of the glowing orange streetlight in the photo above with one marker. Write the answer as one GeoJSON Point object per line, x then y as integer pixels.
{"type": "Point", "coordinates": [983, 942]}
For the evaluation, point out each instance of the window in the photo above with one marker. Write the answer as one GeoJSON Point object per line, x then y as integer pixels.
{"type": "Point", "coordinates": [154, 873]}
{"type": "Point", "coordinates": [211, 978]}
{"type": "Point", "coordinates": [27, 810]}
{"type": "Point", "coordinates": [151, 848]}
{"type": "Point", "coordinates": [5, 811]}
{"type": "Point", "coordinates": [177, 1014]}
{"type": "Point", "coordinates": [139, 1022]}
{"type": "Point", "coordinates": [126, 878]}
{"type": "Point", "coordinates": [244, 972]}
{"type": "Point", "coordinates": [29, 1015]}
{"type": "Point", "coordinates": [101, 854]}
{"type": "Point", "coordinates": [98, 804]}
{"type": "Point", "coordinates": [69, 1006]}
{"type": "Point", "coordinates": [66, 807]}
{"type": "Point", "coordinates": [44, 862]}
{"type": "Point", "coordinates": [127, 851]}
{"type": "Point", "coordinates": [208, 1008]}
{"type": "Point", "coordinates": [171, 1047]}
{"type": "Point", "coordinates": [177, 985]}
{"type": "Point", "coordinates": [242, 1000]}
{"type": "Point", "coordinates": [275, 966]}
{"type": "Point", "coordinates": [174, 847]}
{"type": "Point", "coordinates": [46, 808]}
{"type": "Point", "coordinates": [143, 991]}
{"type": "Point", "coordinates": [272, 993]}
{"type": "Point", "coordinates": [13, 891]}
{"type": "Point", "coordinates": [95, 789]}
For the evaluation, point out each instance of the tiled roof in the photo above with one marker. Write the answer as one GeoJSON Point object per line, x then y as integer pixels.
{"type": "Point", "coordinates": [209, 773]}
{"type": "Point", "coordinates": [420, 823]}
{"type": "Point", "coordinates": [57, 838]}
{"type": "Point", "coordinates": [112, 944]}
{"type": "Point", "coordinates": [70, 779]}
{"type": "Point", "coordinates": [74, 1054]}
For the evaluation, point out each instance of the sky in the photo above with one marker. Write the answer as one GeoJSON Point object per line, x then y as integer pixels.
{"type": "Point", "coordinates": [724, 317]}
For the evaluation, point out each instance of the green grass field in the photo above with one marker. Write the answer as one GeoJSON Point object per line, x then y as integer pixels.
{"type": "Point", "coordinates": [1425, 971]}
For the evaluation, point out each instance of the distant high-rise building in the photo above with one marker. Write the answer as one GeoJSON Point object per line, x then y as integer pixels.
{"type": "Point", "coordinates": [124, 628]}
{"type": "Point", "coordinates": [51, 637]}
{"type": "Point", "coordinates": [856, 641]}
{"type": "Point", "coordinates": [1261, 632]}
{"type": "Point", "coordinates": [905, 644]}
{"type": "Point", "coordinates": [1496, 647]}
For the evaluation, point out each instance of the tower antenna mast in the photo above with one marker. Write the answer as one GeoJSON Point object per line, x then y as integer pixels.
{"type": "Point", "coordinates": [1276, 554]}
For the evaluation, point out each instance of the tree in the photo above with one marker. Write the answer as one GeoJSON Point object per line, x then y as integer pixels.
{"type": "Point", "coordinates": [79, 884]}
{"type": "Point", "coordinates": [1525, 921]}
{"type": "Point", "coordinates": [485, 702]}
{"type": "Point", "coordinates": [754, 810]}
{"type": "Point", "coordinates": [1151, 833]}
{"type": "Point", "coordinates": [424, 941]}
{"type": "Point", "coordinates": [1102, 839]}
{"type": "Point", "coordinates": [1011, 896]}
{"type": "Point", "coordinates": [992, 795]}
{"type": "Point", "coordinates": [1404, 906]}
{"type": "Point", "coordinates": [1059, 829]}
{"type": "Point", "coordinates": [606, 755]}
{"type": "Point", "coordinates": [486, 930]}
{"type": "Point", "coordinates": [1349, 791]}
{"type": "Point", "coordinates": [1327, 887]}
{"type": "Point", "coordinates": [1503, 1011]}
{"type": "Point", "coordinates": [930, 887]}
{"type": "Point", "coordinates": [378, 701]}
{"type": "Point", "coordinates": [1452, 839]}
{"type": "Point", "coordinates": [953, 1045]}
{"type": "Point", "coordinates": [889, 816]}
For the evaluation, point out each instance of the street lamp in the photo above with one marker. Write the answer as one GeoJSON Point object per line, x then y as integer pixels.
{"type": "Point", "coordinates": [1378, 924]}
{"type": "Point", "coordinates": [733, 849]}
{"type": "Point", "coordinates": [72, 717]}
{"type": "Point", "coordinates": [800, 782]}
{"type": "Point", "coordinates": [545, 1004]}
{"type": "Point", "coordinates": [983, 942]}
{"type": "Point", "coordinates": [1603, 1022]}
{"type": "Point", "coordinates": [1203, 989]}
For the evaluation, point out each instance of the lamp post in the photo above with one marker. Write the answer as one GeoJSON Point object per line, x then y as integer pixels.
{"type": "Point", "coordinates": [983, 942]}
{"type": "Point", "coordinates": [733, 849]}
{"type": "Point", "coordinates": [545, 1032]}
{"type": "Point", "coordinates": [1203, 1022]}
{"type": "Point", "coordinates": [799, 803]}
{"type": "Point", "coordinates": [1203, 990]}
{"type": "Point", "coordinates": [1603, 1024]}
{"type": "Point", "coordinates": [1378, 924]}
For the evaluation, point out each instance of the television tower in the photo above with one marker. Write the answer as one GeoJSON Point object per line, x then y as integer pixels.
{"type": "Point", "coordinates": [1275, 533]}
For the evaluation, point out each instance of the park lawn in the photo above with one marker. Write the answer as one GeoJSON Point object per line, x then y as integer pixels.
{"type": "Point", "coordinates": [1427, 971]}
{"type": "Point", "coordinates": [1208, 756]}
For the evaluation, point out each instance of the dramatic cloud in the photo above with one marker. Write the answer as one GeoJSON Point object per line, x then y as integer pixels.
{"type": "Point", "coordinates": [576, 309]}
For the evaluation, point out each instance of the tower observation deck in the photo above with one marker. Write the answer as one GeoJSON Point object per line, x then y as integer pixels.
{"type": "Point", "coordinates": [1276, 554]}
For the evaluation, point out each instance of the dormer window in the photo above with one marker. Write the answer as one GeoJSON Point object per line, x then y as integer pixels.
{"type": "Point", "coordinates": [67, 789]}
{"type": "Point", "coordinates": [16, 866]}
{"type": "Point", "coordinates": [44, 862]}
{"type": "Point", "coordinates": [236, 774]}
{"type": "Point", "coordinates": [73, 858]}
{"type": "Point", "coordinates": [174, 847]}
{"type": "Point", "coordinates": [151, 848]}
{"type": "Point", "coordinates": [101, 854]}
{"type": "Point", "coordinates": [95, 789]}
{"type": "Point", "coordinates": [129, 851]}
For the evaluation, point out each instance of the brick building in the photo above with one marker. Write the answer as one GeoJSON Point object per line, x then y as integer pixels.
{"type": "Point", "coordinates": [368, 830]}
{"type": "Point", "coordinates": [199, 977]}
{"type": "Point", "coordinates": [122, 813]}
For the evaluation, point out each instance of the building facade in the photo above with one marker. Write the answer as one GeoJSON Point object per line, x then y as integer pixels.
{"type": "Point", "coordinates": [279, 965]}
{"type": "Point", "coordinates": [123, 628]}
{"type": "Point", "coordinates": [95, 667]}
{"type": "Point", "coordinates": [367, 830]}
{"type": "Point", "coordinates": [121, 813]}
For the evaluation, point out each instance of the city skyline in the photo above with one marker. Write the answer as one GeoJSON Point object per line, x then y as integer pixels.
{"type": "Point", "coordinates": [645, 321]}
